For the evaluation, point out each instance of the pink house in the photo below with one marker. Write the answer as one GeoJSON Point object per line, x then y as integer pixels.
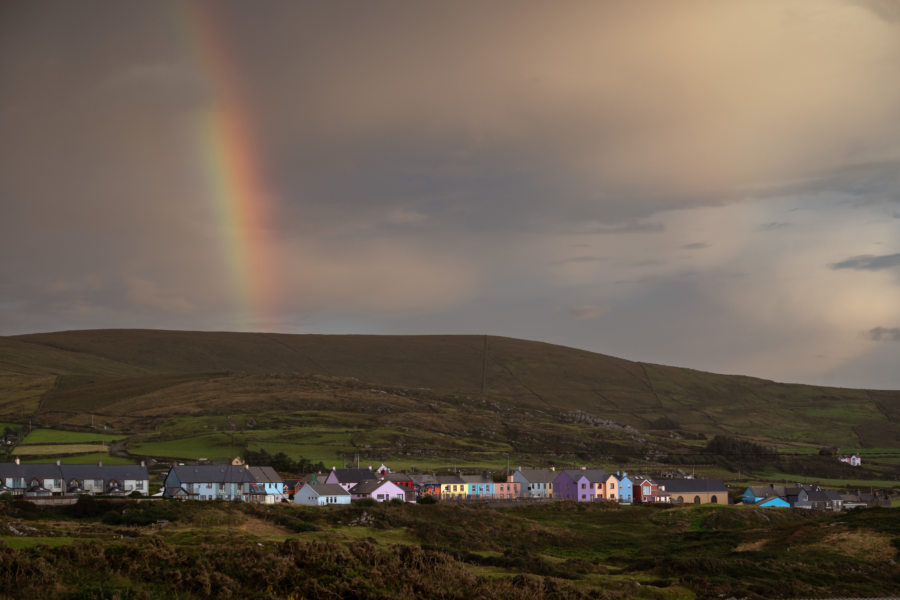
{"type": "Point", "coordinates": [507, 490]}
{"type": "Point", "coordinates": [380, 491]}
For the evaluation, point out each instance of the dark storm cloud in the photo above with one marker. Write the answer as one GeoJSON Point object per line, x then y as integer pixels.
{"type": "Point", "coordinates": [869, 262]}
{"type": "Point", "coordinates": [884, 334]}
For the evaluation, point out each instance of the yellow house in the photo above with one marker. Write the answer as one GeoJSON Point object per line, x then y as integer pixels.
{"type": "Point", "coordinates": [452, 487]}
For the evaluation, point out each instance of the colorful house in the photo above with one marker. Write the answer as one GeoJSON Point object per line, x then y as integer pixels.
{"type": "Point", "coordinates": [404, 480]}
{"type": "Point", "coordinates": [695, 491]}
{"type": "Point", "coordinates": [425, 485]}
{"type": "Point", "coordinates": [347, 478]}
{"type": "Point", "coordinates": [581, 485]}
{"type": "Point", "coordinates": [321, 495]}
{"type": "Point", "coordinates": [378, 490]}
{"type": "Point", "coordinates": [478, 487]}
{"type": "Point", "coordinates": [507, 490]}
{"type": "Point", "coordinates": [611, 488]}
{"type": "Point", "coordinates": [536, 483]}
{"type": "Point", "coordinates": [452, 487]}
{"type": "Point", "coordinates": [773, 502]}
{"type": "Point", "coordinates": [224, 482]}
{"type": "Point", "coordinates": [626, 493]}
{"type": "Point", "coordinates": [646, 491]}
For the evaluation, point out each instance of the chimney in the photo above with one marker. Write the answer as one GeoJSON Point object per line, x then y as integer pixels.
{"type": "Point", "coordinates": [17, 460]}
{"type": "Point", "coordinates": [143, 464]}
{"type": "Point", "coordinates": [553, 469]}
{"type": "Point", "coordinates": [583, 468]}
{"type": "Point", "coordinates": [58, 462]}
{"type": "Point", "coordinates": [99, 463]}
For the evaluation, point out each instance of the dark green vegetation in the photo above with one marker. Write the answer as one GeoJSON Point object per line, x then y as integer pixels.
{"type": "Point", "coordinates": [430, 402]}
{"type": "Point", "coordinates": [161, 549]}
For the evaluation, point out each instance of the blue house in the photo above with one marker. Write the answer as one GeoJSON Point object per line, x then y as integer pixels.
{"type": "Point", "coordinates": [478, 486]}
{"type": "Point", "coordinates": [626, 495]}
{"type": "Point", "coordinates": [773, 502]}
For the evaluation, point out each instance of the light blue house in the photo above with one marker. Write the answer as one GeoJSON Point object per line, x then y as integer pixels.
{"type": "Point", "coordinates": [626, 495]}
{"type": "Point", "coordinates": [773, 502]}
{"type": "Point", "coordinates": [325, 494]}
{"type": "Point", "coordinates": [536, 483]}
{"type": "Point", "coordinates": [478, 487]}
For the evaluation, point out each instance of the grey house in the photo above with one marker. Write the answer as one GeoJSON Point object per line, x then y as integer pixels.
{"type": "Point", "coordinates": [56, 479]}
{"type": "Point", "coordinates": [224, 482]}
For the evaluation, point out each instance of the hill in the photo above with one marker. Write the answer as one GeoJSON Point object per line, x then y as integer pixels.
{"type": "Point", "coordinates": [420, 397]}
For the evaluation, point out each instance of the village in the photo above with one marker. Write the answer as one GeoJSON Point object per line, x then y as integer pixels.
{"type": "Point", "coordinates": [60, 484]}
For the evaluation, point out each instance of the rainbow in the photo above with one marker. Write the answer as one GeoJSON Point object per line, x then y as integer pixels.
{"type": "Point", "coordinates": [234, 174]}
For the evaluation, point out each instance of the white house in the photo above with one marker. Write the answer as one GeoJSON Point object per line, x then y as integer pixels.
{"type": "Point", "coordinates": [324, 494]}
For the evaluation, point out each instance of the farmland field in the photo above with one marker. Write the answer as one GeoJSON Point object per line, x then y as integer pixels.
{"type": "Point", "coordinates": [58, 449]}
{"type": "Point", "coordinates": [56, 436]}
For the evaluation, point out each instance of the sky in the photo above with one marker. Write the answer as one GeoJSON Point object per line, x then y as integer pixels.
{"type": "Point", "coordinates": [706, 184]}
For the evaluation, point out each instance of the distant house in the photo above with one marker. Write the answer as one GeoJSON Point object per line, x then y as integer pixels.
{"type": "Point", "coordinates": [695, 491]}
{"type": "Point", "coordinates": [425, 484]}
{"type": "Point", "coordinates": [321, 495]}
{"type": "Point", "coordinates": [478, 487]}
{"type": "Point", "coordinates": [536, 483]}
{"type": "Point", "coordinates": [56, 479]}
{"type": "Point", "coordinates": [224, 482]}
{"type": "Point", "coordinates": [773, 502]}
{"type": "Point", "coordinates": [646, 491]}
{"type": "Point", "coordinates": [507, 490]}
{"type": "Point", "coordinates": [378, 490]}
{"type": "Point", "coordinates": [818, 499]}
{"type": "Point", "coordinates": [626, 494]}
{"type": "Point", "coordinates": [404, 480]}
{"type": "Point", "coordinates": [611, 486]}
{"type": "Point", "coordinates": [580, 485]}
{"type": "Point", "coordinates": [347, 478]}
{"type": "Point", "coordinates": [452, 487]}
{"type": "Point", "coordinates": [853, 460]}
{"type": "Point", "coordinates": [267, 486]}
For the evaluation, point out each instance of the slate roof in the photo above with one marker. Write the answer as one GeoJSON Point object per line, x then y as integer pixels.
{"type": "Point", "coordinates": [445, 479]}
{"type": "Point", "coordinates": [369, 486]}
{"type": "Point", "coordinates": [353, 475]}
{"type": "Point", "coordinates": [476, 479]}
{"type": "Point", "coordinates": [70, 472]}
{"type": "Point", "coordinates": [593, 475]}
{"type": "Point", "coordinates": [212, 474]}
{"type": "Point", "coordinates": [264, 475]}
{"type": "Point", "coordinates": [328, 489]}
{"type": "Point", "coordinates": [693, 486]}
{"type": "Point", "coordinates": [538, 475]}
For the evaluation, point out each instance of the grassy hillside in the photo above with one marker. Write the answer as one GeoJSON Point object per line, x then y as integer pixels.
{"type": "Point", "coordinates": [423, 400]}
{"type": "Point", "coordinates": [106, 548]}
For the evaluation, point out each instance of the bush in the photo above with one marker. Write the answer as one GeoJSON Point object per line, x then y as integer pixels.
{"type": "Point", "coordinates": [430, 499]}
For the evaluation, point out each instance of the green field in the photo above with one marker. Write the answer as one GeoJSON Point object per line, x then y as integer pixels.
{"type": "Point", "coordinates": [58, 449]}
{"type": "Point", "coordinates": [57, 436]}
{"type": "Point", "coordinates": [86, 459]}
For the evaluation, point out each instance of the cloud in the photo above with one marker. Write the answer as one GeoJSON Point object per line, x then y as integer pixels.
{"type": "Point", "coordinates": [695, 246]}
{"type": "Point", "coordinates": [588, 312]}
{"type": "Point", "coordinates": [868, 262]}
{"type": "Point", "coordinates": [579, 259]}
{"type": "Point", "coordinates": [884, 334]}
{"type": "Point", "coordinates": [773, 226]}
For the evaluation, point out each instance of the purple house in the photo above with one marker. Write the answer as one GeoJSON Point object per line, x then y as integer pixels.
{"type": "Point", "coordinates": [347, 478]}
{"type": "Point", "coordinates": [580, 485]}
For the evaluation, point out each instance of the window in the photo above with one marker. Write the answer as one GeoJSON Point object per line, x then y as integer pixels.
{"type": "Point", "coordinates": [139, 484]}
{"type": "Point", "coordinates": [696, 499]}
{"type": "Point", "coordinates": [583, 485]}
{"type": "Point", "coordinates": [714, 500]}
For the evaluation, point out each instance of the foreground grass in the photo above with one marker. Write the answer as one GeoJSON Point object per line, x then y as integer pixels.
{"type": "Point", "coordinates": [154, 549]}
